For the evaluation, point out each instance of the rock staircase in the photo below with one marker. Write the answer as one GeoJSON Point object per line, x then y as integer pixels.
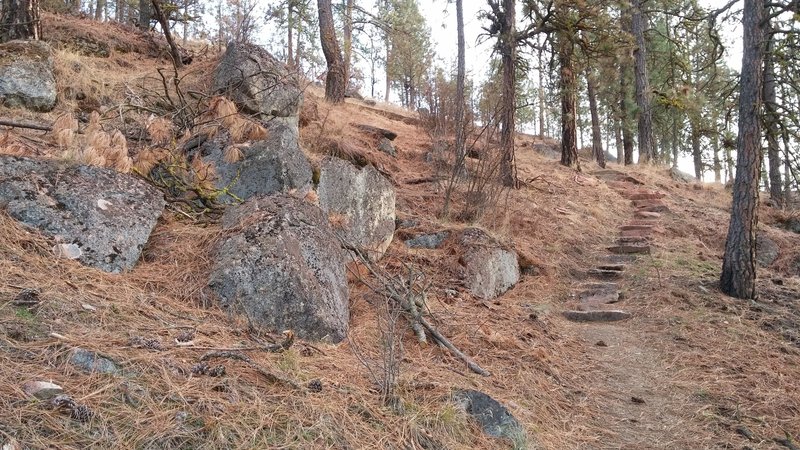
{"type": "Point", "coordinates": [598, 300]}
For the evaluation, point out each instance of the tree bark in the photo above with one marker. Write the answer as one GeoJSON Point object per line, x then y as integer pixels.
{"type": "Point", "coordinates": [541, 96]}
{"type": "Point", "coordinates": [771, 121]}
{"type": "Point", "coordinates": [336, 81]}
{"type": "Point", "coordinates": [290, 34]}
{"type": "Point", "coordinates": [461, 75]}
{"type": "Point", "coordinates": [597, 139]}
{"type": "Point", "coordinates": [738, 277]}
{"type": "Point", "coordinates": [569, 89]}
{"type": "Point", "coordinates": [697, 152]}
{"type": "Point", "coordinates": [508, 56]}
{"type": "Point", "coordinates": [19, 19]}
{"type": "Point", "coordinates": [162, 19]}
{"type": "Point", "coordinates": [348, 40]}
{"type": "Point", "coordinates": [625, 118]}
{"type": "Point", "coordinates": [639, 24]}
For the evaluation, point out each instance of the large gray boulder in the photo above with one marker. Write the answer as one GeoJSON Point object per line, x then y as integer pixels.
{"type": "Point", "coordinates": [27, 78]}
{"type": "Point", "coordinates": [280, 266]}
{"type": "Point", "coordinates": [767, 251]}
{"type": "Point", "coordinates": [366, 201]}
{"type": "Point", "coordinates": [259, 83]}
{"type": "Point", "coordinates": [273, 165]}
{"type": "Point", "coordinates": [98, 216]}
{"type": "Point", "coordinates": [488, 268]}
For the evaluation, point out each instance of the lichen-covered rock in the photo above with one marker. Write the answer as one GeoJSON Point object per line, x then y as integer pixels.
{"type": "Point", "coordinates": [92, 362]}
{"type": "Point", "coordinates": [767, 251]}
{"type": "Point", "coordinates": [489, 268]}
{"type": "Point", "coordinates": [494, 419]}
{"type": "Point", "coordinates": [27, 78]}
{"type": "Point", "coordinates": [430, 241]}
{"type": "Point", "coordinates": [273, 165]}
{"type": "Point", "coordinates": [259, 83]}
{"type": "Point", "coordinates": [108, 215]}
{"type": "Point", "coordinates": [281, 266]}
{"type": "Point", "coordinates": [366, 201]}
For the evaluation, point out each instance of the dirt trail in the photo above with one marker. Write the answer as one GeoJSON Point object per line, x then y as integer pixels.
{"type": "Point", "coordinates": [627, 382]}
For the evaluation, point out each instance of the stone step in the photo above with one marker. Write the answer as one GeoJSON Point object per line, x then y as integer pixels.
{"type": "Point", "coordinates": [653, 208]}
{"type": "Point", "coordinates": [611, 315]}
{"type": "Point", "coordinates": [622, 185]}
{"type": "Point", "coordinates": [647, 214]}
{"type": "Point", "coordinates": [618, 259]}
{"type": "Point", "coordinates": [605, 274]}
{"type": "Point", "coordinates": [643, 235]}
{"type": "Point", "coordinates": [643, 203]}
{"type": "Point", "coordinates": [639, 196]}
{"type": "Point", "coordinates": [597, 286]}
{"type": "Point", "coordinates": [651, 222]}
{"type": "Point", "coordinates": [629, 248]}
{"type": "Point", "coordinates": [642, 240]}
{"type": "Point", "coordinates": [636, 226]}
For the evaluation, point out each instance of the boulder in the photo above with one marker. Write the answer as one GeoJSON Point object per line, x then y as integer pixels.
{"type": "Point", "coordinates": [767, 250]}
{"type": "Point", "coordinates": [385, 145]}
{"type": "Point", "coordinates": [364, 198]}
{"type": "Point", "coordinates": [275, 164]}
{"type": "Point", "coordinates": [488, 268]}
{"type": "Point", "coordinates": [108, 215]}
{"type": "Point", "coordinates": [280, 265]}
{"type": "Point", "coordinates": [259, 83]}
{"type": "Point", "coordinates": [494, 419]}
{"type": "Point", "coordinates": [683, 177]}
{"type": "Point", "coordinates": [27, 77]}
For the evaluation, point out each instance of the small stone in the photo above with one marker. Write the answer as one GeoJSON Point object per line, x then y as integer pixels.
{"type": "Point", "coordinates": [92, 362]}
{"type": "Point", "coordinates": [430, 241]}
{"type": "Point", "coordinates": [601, 344]}
{"type": "Point", "coordinates": [637, 400]}
{"type": "Point", "coordinates": [43, 390]}
{"type": "Point", "coordinates": [103, 204]}
{"type": "Point", "coordinates": [67, 251]}
{"type": "Point", "coordinates": [385, 145]}
{"type": "Point", "coordinates": [88, 307]}
{"type": "Point", "coordinates": [494, 419]}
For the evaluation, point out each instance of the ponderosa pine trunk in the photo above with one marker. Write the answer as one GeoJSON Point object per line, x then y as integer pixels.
{"type": "Point", "coordinates": [508, 58]}
{"type": "Point", "coordinates": [642, 84]}
{"type": "Point", "coordinates": [597, 139]}
{"type": "Point", "coordinates": [569, 93]}
{"type": "Point", "coordinates": [697, 152]}
{"type": "Point", "coordinates": [19, 19]}
{"type": "Point", "coordinates": [289, 34]}
{"type": "Point", "coordinates": [348, 41]}
{"type": "Point", "coordinates": [336, 81]}
{"type": "Point", "coordinates": [459, 119]}
{"type": "Point", "coordinates": [771, 121]}
{"type": "Point", "coordinates": [738, 277]}
{"type": "Point", "coordinates": [625, 117]}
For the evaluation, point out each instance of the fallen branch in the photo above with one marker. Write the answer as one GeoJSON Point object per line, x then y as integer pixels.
{"type": "Point", "coordinates": [30, 126]}
{"type": "Point", "coordinates": [269, 376]}
{"type": "Point", "coordinates": [410, 300]}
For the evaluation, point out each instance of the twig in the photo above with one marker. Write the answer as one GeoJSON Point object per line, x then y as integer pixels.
{"type": "Point", "coordinates": [269, 376]}
{"type": "Point", "coordinates": [32, 126]}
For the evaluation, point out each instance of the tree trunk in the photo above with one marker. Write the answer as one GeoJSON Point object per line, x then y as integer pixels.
{"type": "Point", "coordinates": [738, 277]}
{"type": "Point", "coordinates": [639, 23]}
{"type": "Point", "coordinates": [597, 139]}
{"type": "Point", "coordinates": [100, 7]}
{"type": "Point", "coordinates": [336, 81]}
{"type": "Point", "coordinates": [541, 96]}
{"type": "Point", "coordinates": [162, 19]}
{"type": "Point", "coordinates": [717, 162]}
{"type": "Point", "coordinates": [19, 19]}
{"type": "Point", "coordinates": [145, 14]}
{"type": "Point", "coordinates": [627, 134]}
{"type": "Point", "coordinates": [508, 56]}
{"type": "Point", "coordinates": [348, 40]}
{"type": "Point", "coordinates": [289, 34]}
{"type": "Point", "coordinates": [771, 121]}
{"type": "Point", "coordinates": [697, 152]}
{"type": "Point", "coordinates": [569, 88]}
{"type": "Point", "coordinates": [460, 85]}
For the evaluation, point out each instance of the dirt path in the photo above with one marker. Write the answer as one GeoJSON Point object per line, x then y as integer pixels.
{"type": "Point", "coordinates": [634, 401]}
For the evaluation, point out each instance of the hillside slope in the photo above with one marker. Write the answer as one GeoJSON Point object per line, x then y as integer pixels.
{"type": "Point", "coordinates": [691, 368]}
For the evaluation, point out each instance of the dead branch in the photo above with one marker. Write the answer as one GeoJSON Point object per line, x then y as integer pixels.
{"type": "Point", "coordinates": [410, 298]}
{"type": "Point", "coordinates": [269, 376]}
{"type": "Point", "coordinates": [30, 126]}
